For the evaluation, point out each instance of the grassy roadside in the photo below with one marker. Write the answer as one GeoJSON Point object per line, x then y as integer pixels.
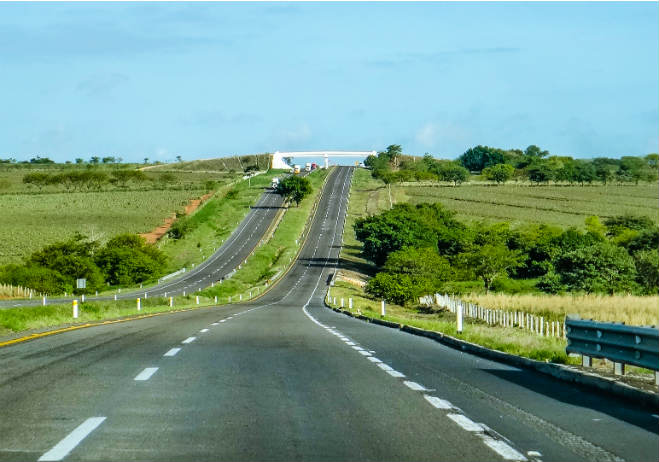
{"type": "Point", "coordinates": [269, 260]}
{"type": "Point", "coordinates": [509, 340]}
{"type": "Point", "coordinates": [214, 222]}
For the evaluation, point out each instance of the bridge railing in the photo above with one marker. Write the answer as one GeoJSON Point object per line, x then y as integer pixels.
{"type": "Point", "coordinates": [621, 344]}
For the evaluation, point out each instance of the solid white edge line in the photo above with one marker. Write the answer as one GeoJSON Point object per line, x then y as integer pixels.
{"type": "Point", "coordinates": [65, 446]}
{"type": "Point", "coordinates": [395, 373]}
{"type": "Point", "coordinates": [502, 448]}
{"type": "Point", "coordinates": [465, 422]}
{"type": "Point", "coordinates": [438, 402]}
{"type": "Point", "coordinates": [172, 352]}
{"type": "Point", "coordinates": [189, 340]}
{"type": "Point", "coordinates": [414, 386]}
{"type": "Point", "coordinates": [146, 373]}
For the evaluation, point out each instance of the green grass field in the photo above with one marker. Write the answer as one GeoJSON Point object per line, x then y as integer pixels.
{"type": "Point", "coordinates": [31, 221]}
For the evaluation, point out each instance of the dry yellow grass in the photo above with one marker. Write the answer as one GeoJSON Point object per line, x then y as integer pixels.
{"type": "Point", "coordinates": [630, 309]}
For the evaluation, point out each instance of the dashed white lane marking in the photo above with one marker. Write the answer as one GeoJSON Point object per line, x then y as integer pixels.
{"type": "Point", "coordinates": [365, 353]}
{"type": "Point", "coordinates": [502, 448]}
{"type": "Point", "coordinates": [146, 373]}
{"type": "Point", "coordinates": [358, 348]}
{"type": "Point", "coordinates": [395, 373]}
{"type": "Point", "coordinates": [465, 422]}
{"type": "Point", "coordinates": [533, 454]}
{"type": "Point", "coordinates": [172, 352]}
{"type": "Point", "coordinates": [189, 340]}
{"type": "Point", "coordinates": [223, 320]}
{"type": "Point", "coordinates": [414, 386]}
{"type": "Point", "coordinates": [385, 367]}
{"type": "Point", "coordinates": [656, 416]}
{"type": "Point", "coordinates": [373, 359]}
{"type": "Point", "coordinates": [349, 343]}
{"type": "Point", "coordinates": [438, 402]}
{"type": "Point", "coordinates": [203, 330]}
{"type": "Point", "coordinates": [214, 324]}
{"type": "Point", "coordinates": [65, 446]}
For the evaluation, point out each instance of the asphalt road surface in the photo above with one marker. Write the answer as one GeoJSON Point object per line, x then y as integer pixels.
{"type": "Point", "coordinates": [284, 378]}
{"type": "Point", "coordinates": [232, 253]}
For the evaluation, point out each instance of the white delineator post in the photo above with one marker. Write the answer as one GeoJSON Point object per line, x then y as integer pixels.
{"type": "Point", "coordinates": [43, 300]}
{"type": "Point", "coordinates": [75, 308]}
{"type": "Point", "coordinates": [139, 305]}
{"type": "Point", "coordinates": [384, 309]}
{"type": "Point", "coordinates": [459, 318]}
{"type": "Point", "coordinates": [197, 299]}
{"type": "Point", "coordinates": [350, 303]}
{"type": "Point", "coordinates": [171, 302]}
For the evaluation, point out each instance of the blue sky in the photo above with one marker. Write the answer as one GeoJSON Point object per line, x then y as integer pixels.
{"type": "Point", "coordinates": [210, 79]}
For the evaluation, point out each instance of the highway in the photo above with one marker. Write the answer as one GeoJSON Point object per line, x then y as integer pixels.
{"type": "Point", "coordinates": [230, 254]}
{"type": "Point", "coordinates": [285, 378]}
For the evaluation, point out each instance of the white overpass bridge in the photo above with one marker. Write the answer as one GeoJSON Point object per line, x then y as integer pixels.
{"type": "Point", "coordinates": [279, 163]}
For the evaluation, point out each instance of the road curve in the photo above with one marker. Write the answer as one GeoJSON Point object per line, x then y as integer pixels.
{"type": "Point", "coordinates": [284, 378]}
{"type": "Point", "coordinates": [232, 253]}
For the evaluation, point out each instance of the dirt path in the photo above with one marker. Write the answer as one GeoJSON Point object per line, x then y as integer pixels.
{"type": "Point", "coordinates": [155, 234]}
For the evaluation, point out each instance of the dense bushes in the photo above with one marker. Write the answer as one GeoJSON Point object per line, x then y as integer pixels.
{"type": "Point", "coordinates": [424, 249]}
{"type": "Point", "coordinates": [126, 259]}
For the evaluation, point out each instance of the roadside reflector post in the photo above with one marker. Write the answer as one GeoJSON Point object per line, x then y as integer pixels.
{"type": "Point", "coordinates": [75, 308]}
{"type": "Point", "coordinates": [197, 299]}
{"type": "Point", "coordinates": [241, 296]}
{"type": "Point", "coordinates": [229, 298]}
{"type": "Point", "coordinates": [384, 309]}
{"type": "Point", "coordinates": [459, 318]}
{"type": "Point", "coordinates": [139, 305]}
{"type": "Point", "coordinates": [542, 325]}
{"type": "Point", "coordinates": [619, 368]}
{"type": "Point", "coordinates": [350, 303]}
{"type": "Point", "coordinates": [586, 361]}
{"type": "Point", "coordinates": [216, 299]}
{"type": "Point", "coordinates": [145, 295]}
{"type": "Point", "coordinates": [184, 293]}
{"type": "Point", "coordinates": [341, 302]}
{"type": "Point", "coordinates": [83, 298]}
{"type": "Point", "coordinates": [115, 297]}
{"type": "Point", "coordinates": [97, 293]}
{"type": "Point", "coordinates": [43, 300]}
{"type": "Point", "coordinates": [171, 302]}
{"type": "Point", "coordinates": [165, 295]}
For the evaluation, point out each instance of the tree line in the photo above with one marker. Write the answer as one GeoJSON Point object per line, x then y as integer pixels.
{"type": "Point", "coordinates": [532, 164]}
{"type": "Point", "coordinates": [422, 249]}
{"type": "Point", "coordinates": [124, 260]}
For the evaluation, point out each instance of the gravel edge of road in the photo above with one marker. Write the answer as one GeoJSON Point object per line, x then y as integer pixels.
{"type": "Point", "coordinates": [559, 371]}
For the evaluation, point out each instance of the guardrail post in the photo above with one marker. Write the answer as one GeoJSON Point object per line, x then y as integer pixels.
{"type": "Point", "coordinates": [139, 305]}
{"type": "Point", "coordinates": [586, 361]}
{"type": "Point", "coordinates": [75, 308]}
{"type": "Point", "coordinates": [619, 368]}
{"type": "Point", "coordinates": [459, 318]}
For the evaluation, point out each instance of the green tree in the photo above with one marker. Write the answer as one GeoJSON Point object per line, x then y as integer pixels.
{"type": "Point", "coordinates": [294, 188]}
{"type": "Point", "coordinates": [491, 261]}
{"type": "Point", "coordinates": [499, 173]}
{"type": "Point", "coordinates": [647, 270]}
{"type": "Point", "coordinates": [127, 259]}
{"type": "Point", "coordinates": [600, 267]}
{"type": "Point", "coordinates": [477, 158]}
{"type": "Point", "coordinates": [73, 259]}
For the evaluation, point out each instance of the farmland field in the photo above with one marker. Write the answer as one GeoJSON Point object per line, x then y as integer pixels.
{"type": "Point", "coordinates": [31, 221]}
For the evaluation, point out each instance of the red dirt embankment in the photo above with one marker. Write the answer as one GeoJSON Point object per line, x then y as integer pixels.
{"type": "Point", "coordinates": [155, 234]}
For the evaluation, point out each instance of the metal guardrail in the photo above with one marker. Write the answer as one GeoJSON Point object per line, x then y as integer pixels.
{"type": "Point", "coordinates": [634, 345]}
